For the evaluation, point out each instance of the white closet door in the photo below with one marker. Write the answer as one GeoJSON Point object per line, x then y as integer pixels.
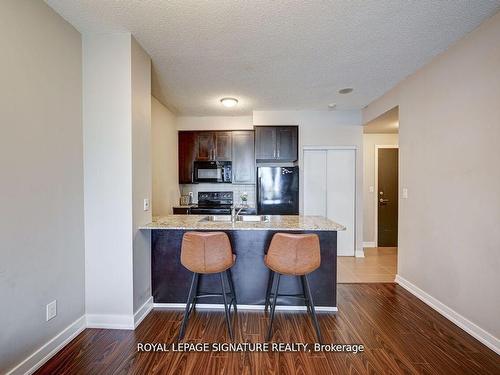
{"type": "Point", "coordinates": [341, 186]}
{"type": "Point", "coordinates": [315, 182]}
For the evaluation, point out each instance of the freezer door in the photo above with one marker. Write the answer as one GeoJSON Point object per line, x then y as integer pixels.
{"type": "Point", "coordinates": [278, 191]}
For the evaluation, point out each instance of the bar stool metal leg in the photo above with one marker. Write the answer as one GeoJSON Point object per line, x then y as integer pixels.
{"type": "Point", "coordinates": [268, 291]}
{"type": "Point", "coordinates": [229, 276]}
{"type": "Point", "coordinates": [313, 310]}
{"type": "Point", "coordinates": [273, 307]}
{"type": "Point", "coordinates": [306, 299]}
{"type": "Point", "coordinates": [224, 297]}
{"type": "Point", "coordinates": [190, 300]}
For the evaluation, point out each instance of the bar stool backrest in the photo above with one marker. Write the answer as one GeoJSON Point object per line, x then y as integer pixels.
{"type": "Point", "coordinates": [206, 252]}
{"type": "Point", "coordinates": [294, 254]}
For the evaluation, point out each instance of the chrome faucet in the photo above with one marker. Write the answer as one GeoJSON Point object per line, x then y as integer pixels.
{"type": "Point", "coordinates": [235, 213]}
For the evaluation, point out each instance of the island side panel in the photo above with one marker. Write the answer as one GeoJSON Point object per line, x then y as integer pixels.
{"type": "Point", "coordinates": [170, 280]}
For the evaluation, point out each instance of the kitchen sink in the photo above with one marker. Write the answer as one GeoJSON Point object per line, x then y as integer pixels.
{"type": "Point", "coordinates": [240, 218]}
{"type": "Point", "coordinates": [223, 218]}
{"type": "Point", "coordinates": [254, 218]}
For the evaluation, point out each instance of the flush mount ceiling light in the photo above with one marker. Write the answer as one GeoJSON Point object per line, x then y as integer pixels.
{"type": "Point", "coordinates": [346, 90]}
{"type": "Point", "coordinates": [332, 105]}
{"type": "Point", "coordinates": [229, 102]}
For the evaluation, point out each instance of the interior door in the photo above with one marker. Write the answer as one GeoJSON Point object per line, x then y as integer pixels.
{"type": "Point", "coordinates": [387, 197]}
{"type": "Point", "coordinates": [341, 185]}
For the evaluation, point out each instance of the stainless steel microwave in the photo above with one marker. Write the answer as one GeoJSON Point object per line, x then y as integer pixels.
{"type": "Point", "coordinates": [213, 171]}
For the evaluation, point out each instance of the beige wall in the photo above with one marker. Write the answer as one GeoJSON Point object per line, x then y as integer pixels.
{"type": "Point", "coordinates": [449, 131]}
{"type": "Point", "coordinates": [107, 123]}
{"type": "Point", "coordinates": [369, 198]}
{"type": "Point", "coordinates": [41, 183]}
{"type": "Point", "coordinates": [165, 159]}
{"type": "Point", "coordinates": [141, 171]}
{"type": "Point", "coordinates": [214, 123]}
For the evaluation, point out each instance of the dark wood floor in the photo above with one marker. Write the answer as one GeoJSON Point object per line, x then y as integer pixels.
{"type": "Point", "coordinates": [401, 335]}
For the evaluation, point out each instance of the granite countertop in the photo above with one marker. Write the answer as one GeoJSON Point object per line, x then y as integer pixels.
{"type": "Point", "coordinates": [276, 222]}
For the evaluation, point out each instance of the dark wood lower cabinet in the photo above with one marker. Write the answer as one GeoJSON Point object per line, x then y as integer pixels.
{"type": "Point", "coordinates": [170, 280]}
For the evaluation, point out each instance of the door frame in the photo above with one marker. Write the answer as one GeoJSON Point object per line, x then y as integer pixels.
{"type": "Point", "coordinates": [377, 147]}
{"type": "Point", "coordinates": [357, 253]}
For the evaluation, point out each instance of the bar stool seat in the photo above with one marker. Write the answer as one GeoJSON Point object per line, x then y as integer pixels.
{"type": "Point", "coordinates": [293, 255]}
{"type": "Point", "coordinates": [208, 253]}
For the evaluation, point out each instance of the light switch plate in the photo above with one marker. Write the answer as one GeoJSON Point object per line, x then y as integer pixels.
{"type": "Point", "coordinates": [51, 310]}
{"type": "Point", "coordinates": [371, 189]}
{"type": "Point", "coordinates": [404, 193]}
{"type": "Point", "coordinates": [146, 204]}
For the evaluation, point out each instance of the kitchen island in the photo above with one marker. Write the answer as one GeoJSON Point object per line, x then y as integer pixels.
{"type": "Point", "coordinates": [250, 241]}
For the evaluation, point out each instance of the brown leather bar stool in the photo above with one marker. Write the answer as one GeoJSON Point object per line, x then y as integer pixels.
{"type": "Point", "coordinates": [293, 255]}
{"type": "Point", "coordinates": [208, 253]}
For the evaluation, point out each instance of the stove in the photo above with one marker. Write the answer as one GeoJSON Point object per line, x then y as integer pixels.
{"type": "Point", "coordinates": [213, 203]}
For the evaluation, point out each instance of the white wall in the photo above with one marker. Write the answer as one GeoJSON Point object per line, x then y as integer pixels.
{"type": "Point", "coordinates": [370, 198]}
{"type": "Point", "coordinates": [449, 243]}
{"type": "Point", "coordinates": [41, 169]}
{"type": "Point", "coordinates": [325, 128]}
{"type": "Point", "coordinates": [214, 123]}
{"type": "Point", "coordinates": [141, 171]}
{"type": "Point", "coordinates": [165, 159]}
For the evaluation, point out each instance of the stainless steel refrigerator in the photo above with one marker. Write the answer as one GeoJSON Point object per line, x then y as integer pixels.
{"type": "Point", "coordinates": [278, 190]}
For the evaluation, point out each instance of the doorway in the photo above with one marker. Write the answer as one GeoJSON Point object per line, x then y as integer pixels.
{"type": "Point", "coordinates": [380, 205]}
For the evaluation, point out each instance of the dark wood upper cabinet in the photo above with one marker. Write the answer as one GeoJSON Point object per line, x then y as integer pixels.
{"type": "Point", "coordinates": [276, 143]}
{"type": "Point", "coordinates": [243, 157]}
{"type": "Point", "coordinates": [187, 155]}
{"type": "Point", "coordinates": [213, 146]}
{"type": "Point", "coordinates": [223, 147]}
{"type": "Point", "coordinates": [265, 142]}
{"type": "Point", "coordinates": [286, 143]}
{"type": "Point", "coordinates": [205, 146]}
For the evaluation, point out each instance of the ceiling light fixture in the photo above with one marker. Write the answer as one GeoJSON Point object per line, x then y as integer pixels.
{"type": "Point", "coordinates": [346, 90]}
{"type": "Point", "coordinates": [332, 105]}
{"type": "Point", "coordinates": [229, 102]}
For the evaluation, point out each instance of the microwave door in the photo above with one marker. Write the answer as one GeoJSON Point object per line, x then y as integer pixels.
{"type": "Point", "coordinates": [209, 174]}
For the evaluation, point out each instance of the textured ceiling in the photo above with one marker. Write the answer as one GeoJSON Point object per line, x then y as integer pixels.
{"type": "Point", "coordinates": [279, 54]}
{"type": "Point", "coordinates": [387, 123]}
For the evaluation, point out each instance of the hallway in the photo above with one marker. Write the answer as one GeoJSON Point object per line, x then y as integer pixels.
{"type": "Point", "coordinates": [378, 266]}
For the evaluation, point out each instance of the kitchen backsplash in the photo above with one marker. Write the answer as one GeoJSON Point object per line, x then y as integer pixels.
{"type": "Point", "coordinates": [237, 190]}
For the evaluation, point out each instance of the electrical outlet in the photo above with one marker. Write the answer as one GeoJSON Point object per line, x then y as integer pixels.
{"type": "Point", "coordinates": [51, 310]}
{"type": "Point", "coordinates": [146, 204]}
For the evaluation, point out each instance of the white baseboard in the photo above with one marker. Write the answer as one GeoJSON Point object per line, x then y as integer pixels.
{"type": "Point", "coordinates": [143, 311]}
{"type": "Point", "coordinates": [110, 321]}
{"type": "Point", "coordinates": [360, 254]}
{"type": "Point", "coordinates": [243, 307]}
{"type": "Point", "coordinates": [48, 350]}
{"type": "Point", "coordinates": [369, 244]}
{"type": "Point", "coordinates": [472, 329]}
